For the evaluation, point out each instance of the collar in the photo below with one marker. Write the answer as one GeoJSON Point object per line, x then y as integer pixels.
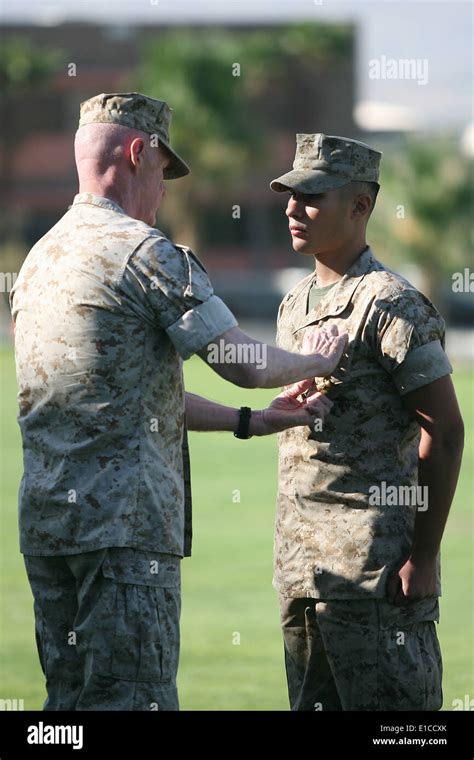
{"type": "Point", "coordinates": [338, 297]}
{"type": "Point", "coordinates": [97, 200]}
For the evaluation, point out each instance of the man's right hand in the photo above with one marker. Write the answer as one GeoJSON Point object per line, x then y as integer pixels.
{"type": "Point", "coordinates": [328, 345]}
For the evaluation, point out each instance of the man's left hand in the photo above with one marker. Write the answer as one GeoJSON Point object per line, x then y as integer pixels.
{"type": "Point", "coordinates": [288, 410]}
{"type": "Point", "coordinates": [414, 580]}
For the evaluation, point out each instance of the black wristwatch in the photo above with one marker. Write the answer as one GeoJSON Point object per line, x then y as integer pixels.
{"type": "Point", "coordinates": [242, 431]}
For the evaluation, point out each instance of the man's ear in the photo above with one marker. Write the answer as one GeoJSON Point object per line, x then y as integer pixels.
{"type": "Point", "coordinates": [137, 148]}
{"type": "Point", "coordinates": [362, 205]}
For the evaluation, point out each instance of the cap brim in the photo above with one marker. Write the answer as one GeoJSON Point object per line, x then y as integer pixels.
{"type": "Point", "coordinates": [308, 182]}
{"type": "Point", "coordinates": [176, 167]}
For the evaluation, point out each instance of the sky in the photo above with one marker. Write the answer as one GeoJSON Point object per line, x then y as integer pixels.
{"type": "Point", "coordinates": [434, 35]}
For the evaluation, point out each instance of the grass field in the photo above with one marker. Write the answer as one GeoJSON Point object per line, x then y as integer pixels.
{"type": "Point", "coordinates": [231, 656]}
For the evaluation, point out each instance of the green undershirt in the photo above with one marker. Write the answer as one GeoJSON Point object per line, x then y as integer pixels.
{"type": "Point", "coordinates": [316, 295]}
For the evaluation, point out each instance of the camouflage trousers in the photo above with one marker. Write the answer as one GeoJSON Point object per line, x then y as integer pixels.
{"type": "Point", "coordinates": [361, 655]}
{"type": "Point", "coordinates": [107, 629]}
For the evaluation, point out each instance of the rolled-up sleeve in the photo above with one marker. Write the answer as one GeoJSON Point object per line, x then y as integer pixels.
{"type": "Point", "coordinates": [199, 326]}
{"type": "Point", "coordinates": [410, 341]}
{"type": "Point", "coordinates": [175, 292]}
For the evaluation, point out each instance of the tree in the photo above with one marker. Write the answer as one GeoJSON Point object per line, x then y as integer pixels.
{"type": "Point", "coordinates": [23, 69]}
{"type": "Point", "coordinates": [425, 208]}
{"type": "Point", "coordinates": [215, 79]}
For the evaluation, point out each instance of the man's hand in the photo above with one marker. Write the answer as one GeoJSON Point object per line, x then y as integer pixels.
{"type": "Point", "coordinates": [287, 410]}
{"type": "Point", "coordinates": [269, 367]}
{"type": "Point", "coordinates": [414, 580]}
{"type": "Point", "coordinates": [326, 342]}
{"type": "Point", "coordinates": [435, 408]}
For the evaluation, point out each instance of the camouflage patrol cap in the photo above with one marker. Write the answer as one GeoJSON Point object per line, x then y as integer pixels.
{"type": "Point", "coordinates": [325, 162]}
{"type": "Point", "coordinates": [137, 111]}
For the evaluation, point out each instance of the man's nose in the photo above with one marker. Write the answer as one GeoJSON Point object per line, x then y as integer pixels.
{"type": "Point", "coordinates": [294, 208]}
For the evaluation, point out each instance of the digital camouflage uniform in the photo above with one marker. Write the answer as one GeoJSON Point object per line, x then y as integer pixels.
{"type": "Point", "coordinates": [105, 309]}
{"type": "Point", "coordinates": [346, 646]}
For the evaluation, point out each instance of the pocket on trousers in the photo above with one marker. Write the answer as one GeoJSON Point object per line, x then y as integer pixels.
{"type": "Point", "coordinates": [142, 601]}
{"type": "Point", "coordinates": [410, 665]}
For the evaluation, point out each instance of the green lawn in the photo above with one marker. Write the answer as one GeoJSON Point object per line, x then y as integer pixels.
{"type": "Point", "coordinates": [231, 656]}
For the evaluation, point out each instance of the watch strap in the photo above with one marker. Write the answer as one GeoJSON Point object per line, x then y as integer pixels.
{"type": "Point", "coordinates": [243, 427]}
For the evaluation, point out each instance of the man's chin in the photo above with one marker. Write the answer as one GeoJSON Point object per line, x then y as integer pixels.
{"type": "Point", "coordinates": [302, 246]}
